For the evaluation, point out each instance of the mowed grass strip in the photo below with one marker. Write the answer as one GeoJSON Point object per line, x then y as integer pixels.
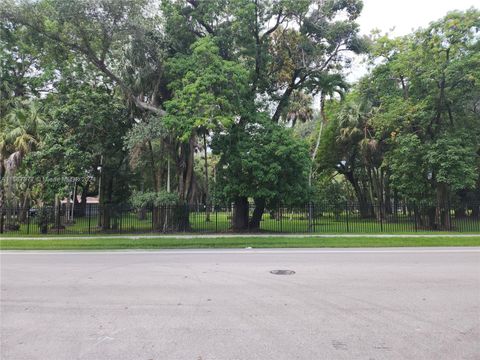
{"type": "Point", "coordinates": [106, 243]}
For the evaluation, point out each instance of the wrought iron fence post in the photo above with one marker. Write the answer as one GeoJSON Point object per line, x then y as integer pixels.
{"type": "Point", "coordinates": [89, 208]}
{"type": "Point", "coordinates": [310, 217]}
{"type": "Point", "coordinates": [1, 221]}
{"type": "Point", "coordinates": [449, 209]}
{"type": "Point", "coordinates": [313, 217]}
{"type": "Point", "coordinates": [58, 217]}
{"type": "Point", "coordinates": [121, 211]}
{"type": "Point", "coordinates": [346, 212]}
{"type": "Point", "coordinates": [415, 211]}
{"type": "Point", "coordinates": [280, 212]}
{"type": "Point", "coordinates": [186, 212]}
{"type": "Point", "coordinates": [28, 221]}
{"type": "Point", "coordinates": [381, 218]}
{"type": "Point", "coordinates": [216, 218]}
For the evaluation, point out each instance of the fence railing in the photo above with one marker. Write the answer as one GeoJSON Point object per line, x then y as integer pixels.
{"type": "Point", "coordinates": [310, 218]}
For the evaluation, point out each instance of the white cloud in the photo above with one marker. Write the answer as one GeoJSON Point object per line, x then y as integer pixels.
{"type": "Point", "coordinates": [402, 16]}
{"type": "Point", "coordinates": [406, 15]}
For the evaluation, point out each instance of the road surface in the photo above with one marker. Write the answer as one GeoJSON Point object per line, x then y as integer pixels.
{"type": "Point", "coordinates": [418, 303]}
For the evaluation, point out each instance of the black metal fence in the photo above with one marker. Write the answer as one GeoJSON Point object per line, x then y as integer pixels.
{"type": "Point", "coordinates": [310, 218]}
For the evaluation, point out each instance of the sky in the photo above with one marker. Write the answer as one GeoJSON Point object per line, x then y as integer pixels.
{"type": "Point", "coordinates": [402, 16]}
{"type": "Point", "coordinates": [406, 15]}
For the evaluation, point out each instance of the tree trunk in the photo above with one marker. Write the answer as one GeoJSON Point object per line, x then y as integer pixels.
{"type": "Point", "coordinates": [2, 187]}
{"type": "Point", "coordinates": [107, 203]}
{"type": "Point", "coordinates": [257, 215]}
{"type": "Point", "coordinates": [185, 169]}
{"type": "Point", "coordinates": [184, 218]}
{"type": "Point", "coordinates": [25, 206]}
{"type": "Point", "coordinates": [363, 206]}
{"type": "Point", "coordinates": [207, 209]}
{"type": "Point", "coordinates": [323, 121]}
{"type": "Point", "coordinates": [284, 98]}
{"type": "Point", "coordinates": [185, 181]}
{"type": "Point", "coordinates": [460, 212]}
{"type": "Point", "coordinates": [67, 210]}
{"type": "Point", "coordinates": [168, 175]}
{"type": "Point", "coordinates": [430, 218]}
{"type": "Point", "coordinates": [476, 211]}
{"type": "Point", "coordinates": [153, 167]}
{"type": "Point", "coordinates": [82, 207]}
{"type": "Point", "coordinates": [9, 201]}
{"type": "Point", "coordinates": [240, 214]}
{"type": "Point", "coordinates": [57, 211]}
{"type": "Point", "coordinates": [388, 196]}
{"type": "Point", "coordinates": [72, 218]}
{"type": "Point", "coordinates": [106, 216]}
{"type": "Point", "coordinates": [442, 216]}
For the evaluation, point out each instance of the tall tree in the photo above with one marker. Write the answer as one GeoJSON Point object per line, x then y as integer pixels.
{"type": "Point", "coordinates": [412, 125]}
{"type": "Point", "coordinates": [283, 46]}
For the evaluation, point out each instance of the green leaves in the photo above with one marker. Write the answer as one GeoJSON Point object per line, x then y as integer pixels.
{"type": "Point", "coordinates": [262, 160]}
{"type": "Point", "coordinates": [415, 165]}
{"type": "Point", "coordinates": [452, 160]}
{"type": "Point", "coordinates": [150, 199]}
{"type": "Point", "coordinates": [415, 117]}
{"type": "Point", "coordinates": [208, 92]}
{"type": "Point", "coordinates": [410, 176]}
{"type": "Point", "coordinates": [82, 125]}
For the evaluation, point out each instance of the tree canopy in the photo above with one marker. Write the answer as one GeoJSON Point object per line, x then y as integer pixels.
{"type": "Point", "coordinates": [248, 97]}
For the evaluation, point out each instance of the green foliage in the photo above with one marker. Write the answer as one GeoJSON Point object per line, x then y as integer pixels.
{"type": "Point", "coordinates": [151, 199]}
{"type": "Point", "coordinates": [407, 162]}
{"type": "Point", "coordinates": [136, 85]}
{"type": "Point", "coordinates": [149, 130]}
{"type": "Point", "coordinates": [283, 45]}
{"type": "Point", "coordinates": [449, 160]}
{"type": "Point", "coordinates": [187, 69]}
{"type": "Point", "coordinates": [145, 143]}
{"type": "Point", "coordinates": [413, 122]}
{"type": "Point", "coordinates": [262, 160]}
{"type": "Point", "coordinates": [329, 152]}
{"type": "Point", "coordinates": [452, 160]}
{"type": "Point", "coordinates": [330, 191]}
{"type": "Point", "coordinates": [75, 138]}
{"type": "Point", "coordinates": [207, 91]}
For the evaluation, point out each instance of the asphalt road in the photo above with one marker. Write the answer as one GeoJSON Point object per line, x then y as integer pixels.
{"type": "Point", "coordinates": [204, 305]}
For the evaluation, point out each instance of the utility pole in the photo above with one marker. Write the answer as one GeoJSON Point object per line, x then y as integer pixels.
{"type": "Point", "coordinates": [168, 174]}
{"type": "Point", "coordinates": [74, 198]}
{"type": "Point", "coordinates": [207, 210]}
{"type": "Point", "coordinates": [99, 168]}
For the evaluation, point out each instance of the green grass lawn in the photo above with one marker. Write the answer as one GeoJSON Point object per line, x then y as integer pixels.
{"type": "Point", "coordinates": [105, 243]}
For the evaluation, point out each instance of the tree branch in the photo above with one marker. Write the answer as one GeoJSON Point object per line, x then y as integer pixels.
{"type": "Point", "coordinates": [97, 62]}
{"type": "Point", "coordinates": [207, 27]}
{"type": "Point", "coordinates": [277, 24]}
{"type": "Point", "coordinates": [285, 96]}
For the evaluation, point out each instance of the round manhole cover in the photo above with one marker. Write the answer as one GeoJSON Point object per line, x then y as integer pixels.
{"type": "Point", "coordinates": [282, 272]}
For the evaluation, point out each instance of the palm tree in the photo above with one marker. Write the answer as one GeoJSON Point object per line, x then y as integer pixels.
{"type": "Point", "coordinates": [357, 134]}
{"type": "Point", "coordinates": [299, 108]}
{"type": "Point", "coordinates": [19, 133]}
{"type": "Point", "coordinates": [328, 85]}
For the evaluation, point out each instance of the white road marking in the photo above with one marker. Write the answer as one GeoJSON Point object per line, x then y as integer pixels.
{"type": "Point", "coordinates": [251, 252]}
